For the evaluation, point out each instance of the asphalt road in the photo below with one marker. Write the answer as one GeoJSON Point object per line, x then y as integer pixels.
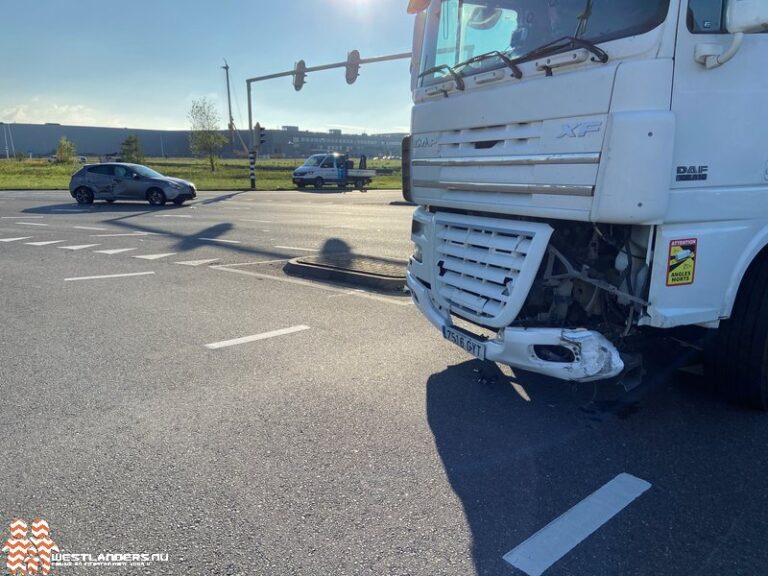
{"type": "Point", "coordinates": [349, 438]}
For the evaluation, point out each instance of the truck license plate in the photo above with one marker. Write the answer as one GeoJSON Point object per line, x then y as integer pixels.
{"type": "Point", "coordinates": [474, 346]}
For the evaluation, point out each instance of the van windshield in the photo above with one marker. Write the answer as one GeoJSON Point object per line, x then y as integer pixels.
{"type": "Point", "coordinates": [457, 30]}
{"type": "Point", "coordinates": [315, 160]}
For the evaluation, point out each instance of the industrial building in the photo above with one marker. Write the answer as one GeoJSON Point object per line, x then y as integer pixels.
{"type": "Point", "coordinates": [40, 140]}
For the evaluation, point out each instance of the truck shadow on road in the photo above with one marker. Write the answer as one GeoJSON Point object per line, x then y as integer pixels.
{"type": "Point", "coordinates": [518, 458]}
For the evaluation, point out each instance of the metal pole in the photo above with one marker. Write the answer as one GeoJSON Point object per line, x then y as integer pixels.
{"type": "Point", "coordinates": [229, 103]}
{"type": "Point", "coordinates": [5, 133]}
{"type": "Point", "coordinates": [252, 154]}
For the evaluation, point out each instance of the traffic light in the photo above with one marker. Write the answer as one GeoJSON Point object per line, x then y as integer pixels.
{"type": "Point", "coordinates": [353, 66]}
{"type": "Point", "coordinates": [299, 75]}
{"type": "Point", "coordinates": [261, 135]}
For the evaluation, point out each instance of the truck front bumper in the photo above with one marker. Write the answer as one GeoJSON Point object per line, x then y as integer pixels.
{"type": "Point", "coordinates": [594, 357]}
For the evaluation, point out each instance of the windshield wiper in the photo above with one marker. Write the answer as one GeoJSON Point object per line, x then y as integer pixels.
{"type": "Point", "coordinates": [516, 72]}
{"type": "Point", "coordinates": [451, 72]}
{"type": "Point", "coordinates": [563, 44]}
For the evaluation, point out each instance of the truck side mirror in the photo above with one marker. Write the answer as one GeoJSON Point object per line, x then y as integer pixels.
{"type": "Point", "coordinates": [746, 16]}
{"type": "Point", "coordinates": [416, 6]}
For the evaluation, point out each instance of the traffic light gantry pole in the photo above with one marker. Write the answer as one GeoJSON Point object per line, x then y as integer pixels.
{"type": "Point", "coordinates": [299, 73]}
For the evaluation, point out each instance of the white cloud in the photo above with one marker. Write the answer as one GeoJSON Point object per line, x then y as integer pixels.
{"type": "Point", "coordinates": [39, 111]}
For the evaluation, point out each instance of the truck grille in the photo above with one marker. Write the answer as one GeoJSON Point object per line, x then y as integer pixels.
{"type": "Point", "coordinates": [486, 266]}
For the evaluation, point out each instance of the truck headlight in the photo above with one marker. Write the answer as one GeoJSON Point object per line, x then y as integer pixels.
{"type": "Point", "coordinates": [417, 253]}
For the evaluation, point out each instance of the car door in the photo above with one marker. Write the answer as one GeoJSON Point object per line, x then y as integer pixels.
{"type": "Point", "coordinates": [124, 184]}
{"type": "Point", "coordinates": [100, 180]}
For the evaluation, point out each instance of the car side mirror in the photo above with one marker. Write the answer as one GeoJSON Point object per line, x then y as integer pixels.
{"type": "Point", "coordinates": [136, 176]}
{"type": "Point", "coordinates": [746, 16]}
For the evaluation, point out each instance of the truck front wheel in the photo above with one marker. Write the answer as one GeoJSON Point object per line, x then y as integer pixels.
{"type": "Point", "coordinates": [740, 358]}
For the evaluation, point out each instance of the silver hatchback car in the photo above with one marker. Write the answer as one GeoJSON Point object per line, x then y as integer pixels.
{"type": "Point", "coordinates": [121, 181]}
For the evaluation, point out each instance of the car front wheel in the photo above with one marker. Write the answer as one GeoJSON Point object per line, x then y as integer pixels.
{"type": "Point", "coordinates": [84, 196]}
{"type": "Point", "coordinates": [179, 201]}
{"type": "Point", "coordinates": [156, 197]}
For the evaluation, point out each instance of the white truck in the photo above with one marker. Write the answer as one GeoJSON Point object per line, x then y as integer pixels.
{"type": "Point", "coordinates": [321, 169]}
{"type": "Point", "coordinates": [589, 170]}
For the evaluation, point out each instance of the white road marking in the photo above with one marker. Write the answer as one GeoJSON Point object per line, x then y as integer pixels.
{"type": "Point", "coordinates": [156, 256]}
{"type": "Point", "coordinates": [108, 276]}
{"type": "Point", "coordinates": [173, 216]}
{"type": "Point", "coordinates": [556, 539]}
{"type": "Point", "coordinates": [119, 235]}
{"type": "Point", "coordinates": [115, 251]}
{"type": "Point", "coordinates": [46, 243]}
{"type": "Point", "coordinates": [89, 228]}
{"type": "Point", "coordinates": [346, 292]}
{"type": "Point", "coordinates": [14, 239]}
{"type": "Point", "coordinates": [254, 338]}
{"type": "Point", "coordinates": [197, 262]}
{"type": "Point", "coordinates": [295, 248]}
{"type": "Point", "coordinates": [29, 224]}
{"type": "Point", "coordinates": [81, 247]}
{"type": "Point", "coordinates": [259, 221]}
{"type": "Point", "coordinates": [219, 240]}
{"type": "Point", "coordinates": [22, 217]}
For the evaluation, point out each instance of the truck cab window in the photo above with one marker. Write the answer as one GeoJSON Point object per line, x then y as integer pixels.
{"type": "Point", "coordinates": [706, 16]}
{"type": "Point", "coordinates": [328, 162]}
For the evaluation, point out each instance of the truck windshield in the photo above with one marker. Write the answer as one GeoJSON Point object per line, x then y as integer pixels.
{"type": "Point", "coordinates": [458, 30]}
{"type": "Point", "coordinates": [315, 160]}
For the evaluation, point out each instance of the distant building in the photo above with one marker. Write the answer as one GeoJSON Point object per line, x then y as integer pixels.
{"type": "Point", "coordinates": [41, 140]}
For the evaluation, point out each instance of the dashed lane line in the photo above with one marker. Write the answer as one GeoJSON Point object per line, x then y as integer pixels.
{"type": "Point", "coordinates": [46, 243]}
{"type": "Point", "coordinates": [109, 276]}
{"type": "Point", "coordinates": [220, 240]}
{"type": "Point", "coordinates": [256, 337]}
{"type": "Point", "coordinates": [21, 217]}
{"type": "Point", "coordinates": [295, 248]}
{"type": "Point", "coordinates": [30, 224]}
{"type": "Point", "coordinates": [155, 256]}
{"type": "Point", "coordinates": [537, 554]}
{"type": "Point", "coordinates": [15, 239]}
{"type": "Point", "coordinates": [89, 228]}
{"type": "Point", "coordinates": [197, 262]}
{"type": "Point", "coordinates": [114, 251]}
{"type": "Point", "coordinates": [80, 247]}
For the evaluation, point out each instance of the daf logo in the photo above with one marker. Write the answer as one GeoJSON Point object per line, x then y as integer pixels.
{"type": "Point", "coordinates": [580, 130]}
{"type": "Point", "coordinates": [424, 142]}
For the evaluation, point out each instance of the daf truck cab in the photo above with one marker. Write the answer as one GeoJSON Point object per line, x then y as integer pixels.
{"type": "Point", "coordinates": [589, 170]}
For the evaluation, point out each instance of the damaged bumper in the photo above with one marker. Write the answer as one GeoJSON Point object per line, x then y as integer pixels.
{"type": "Point", "coordinates": [591, 356]}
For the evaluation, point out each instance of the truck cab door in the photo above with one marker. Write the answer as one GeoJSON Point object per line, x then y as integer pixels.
{"type": "Point", "coordinates": [720, 112]}
{"type": "Point", "coordinates": [328, 169]}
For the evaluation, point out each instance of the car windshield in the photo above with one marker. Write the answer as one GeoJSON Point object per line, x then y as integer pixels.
{"type": "Point", "coordinates": [147, 172]}
{"type": "Point", "coordinates": [315, 160]}
{"type": "Point", "coordinates": [457, 30]}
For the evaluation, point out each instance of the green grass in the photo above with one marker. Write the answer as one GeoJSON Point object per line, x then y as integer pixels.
{"type": "Point", "coordinates": [229, 175]}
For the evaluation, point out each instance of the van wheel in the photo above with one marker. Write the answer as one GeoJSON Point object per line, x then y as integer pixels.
{"type": "Point", "coordinates": [83, 195]}
{"type": "Point", "coordinates": [740, 358]}
{"type": "Point", "coordinates": [319, 182]}
{"type": "Point", "coordinates": [156, 197]}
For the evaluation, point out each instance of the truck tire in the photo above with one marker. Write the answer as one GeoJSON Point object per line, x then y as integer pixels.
{"type": "Point", "coordinates": [359, 184]}
{"type": "Point", "coordinates": [740, 357]}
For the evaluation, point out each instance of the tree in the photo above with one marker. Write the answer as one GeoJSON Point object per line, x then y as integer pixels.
{"type": "Point", "coordinates": [130, 150]}
{"type": "Point", "coordinates": [204, 137]}
{"type": "Point", "coordinates": [65, 151]}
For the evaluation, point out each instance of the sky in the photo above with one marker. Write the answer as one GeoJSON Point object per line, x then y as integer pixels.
{"type": "Point", "coordinates": [140, 64]}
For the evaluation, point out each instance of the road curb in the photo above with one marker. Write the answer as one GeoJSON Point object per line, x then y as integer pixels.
{"type": "Point", "coordinates": [380, 274]}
